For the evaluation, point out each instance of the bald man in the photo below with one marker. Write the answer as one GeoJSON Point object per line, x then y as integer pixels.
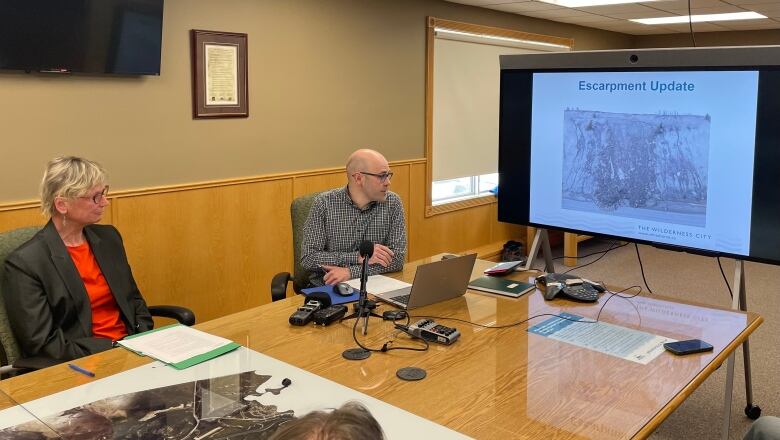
{"type": "Point", "coordinates": [342, 218]}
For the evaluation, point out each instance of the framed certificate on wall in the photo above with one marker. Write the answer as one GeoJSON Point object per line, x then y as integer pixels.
{"type": "Point", "coordinates": [219, 74]}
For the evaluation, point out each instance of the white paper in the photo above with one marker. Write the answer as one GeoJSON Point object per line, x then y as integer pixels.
{"type": "Point", "coordinates": [379, 284]}
{"type": "Point", "coordinates": [221, 74]}
{"type": "Point", "coordinates": [174, 344]}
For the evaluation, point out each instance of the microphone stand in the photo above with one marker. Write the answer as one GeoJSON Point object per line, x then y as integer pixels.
{"type": "Point", "coordinates": [364, 307]}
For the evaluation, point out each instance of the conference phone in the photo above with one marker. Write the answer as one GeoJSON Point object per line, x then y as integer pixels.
{"type": "Point", "coordinates": [559, 285]}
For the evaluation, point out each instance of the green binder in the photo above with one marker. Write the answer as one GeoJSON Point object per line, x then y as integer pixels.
{"type": "Point", "coordinates": [201, 357]}
{"type": "Point", "coordinates": [501, 286]}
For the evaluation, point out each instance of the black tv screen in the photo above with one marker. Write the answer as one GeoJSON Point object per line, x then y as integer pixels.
{"type": "Point", "coordinates": [677, 148]}
{"type": "Point", "coordinates": [82, 36]}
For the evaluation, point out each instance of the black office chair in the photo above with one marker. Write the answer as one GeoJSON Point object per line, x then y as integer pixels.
{"type": "Point", "coordinates": [11, 360]}
{"type": "Point", "coordinates": [299, 212]}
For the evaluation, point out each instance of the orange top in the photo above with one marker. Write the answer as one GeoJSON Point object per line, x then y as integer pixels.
{"type": "Point", "coordinates": [106, 322]}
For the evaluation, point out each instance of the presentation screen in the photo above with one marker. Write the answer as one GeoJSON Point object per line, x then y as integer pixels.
{"type": "Point", "coordinates": [676, 147]}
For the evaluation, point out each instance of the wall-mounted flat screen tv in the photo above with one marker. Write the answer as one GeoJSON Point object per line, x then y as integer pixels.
{"type": "Point", "coordinates": [81, 36]}
{"type": "Point", "coordinates": [678, 148]}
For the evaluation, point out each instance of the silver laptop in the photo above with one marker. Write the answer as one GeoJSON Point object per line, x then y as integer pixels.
{"type": "Point", "coordinates": [433, 282]}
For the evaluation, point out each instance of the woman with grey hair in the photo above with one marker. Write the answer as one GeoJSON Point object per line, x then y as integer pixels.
{"type": "Point", "coordinates": [69, 290]}
{"type": "Point", "coordinates": [352, 421]}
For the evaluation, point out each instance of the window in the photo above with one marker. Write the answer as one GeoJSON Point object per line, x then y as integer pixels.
{"type": "Point", "coordinates": [462, 188]}
{"type": "Point", "coordinates": [462, 97]}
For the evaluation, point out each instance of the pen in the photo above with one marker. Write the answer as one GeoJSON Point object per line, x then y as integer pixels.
{"type": "Point", "coordinates": [81, 370]}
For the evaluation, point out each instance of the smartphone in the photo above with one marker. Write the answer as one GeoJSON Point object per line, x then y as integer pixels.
{"type": "Point", "coordinates": [687, 347]}
{"type": "Point", "coordinates": [504, 268]}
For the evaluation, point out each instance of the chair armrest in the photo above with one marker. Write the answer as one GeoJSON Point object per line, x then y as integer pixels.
{"type": "Point", "coordinates": [35, 363]}
{"type": "Point", "coordinates": [24, 365]}
{"type": "Point", "coordinates": [279, 286]}
{"type": "Point", "coordinates": [181, 314]}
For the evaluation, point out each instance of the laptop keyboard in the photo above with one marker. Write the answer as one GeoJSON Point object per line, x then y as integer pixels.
{"type": "Point", "coordinates": [403, 299]}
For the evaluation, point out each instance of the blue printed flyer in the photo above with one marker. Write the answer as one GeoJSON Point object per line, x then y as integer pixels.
{"type": "Point", "coordinates": [614, 340]}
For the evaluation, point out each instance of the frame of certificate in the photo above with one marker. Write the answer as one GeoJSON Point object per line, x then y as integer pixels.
{"type": "Point", "coordinates": [219, 74]}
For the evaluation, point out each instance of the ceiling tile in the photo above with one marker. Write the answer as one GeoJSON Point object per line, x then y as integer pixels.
{"type": "Point", "coordinates": [743, 26]}
{"type": "Point", "coordinates": [620, 27]}
{"type": "Point", "coordinates": [683, 4]}
{"type": "Point", "coordinates": [650, 13]}
{"type": "Point", "coordinates": [697, 27]}
{"type": "Point", "coordinates": [606, 27]}
{"type": "Point", "coordinates": [565, 13]}
{"type": "Point", "coordinates": [554, 14]}
{"type": "Point", "coordinates": [614, 9]}
{"type": "Point", "coordinates": [752, 2]}
{"type": "Point", "coordinates": [525, 6]}
{"type": "Point", "coordinates": [587, 20]}
{"type": "Point", "coordinates": [650, 30]}
{"type": "Point", "coordinates": [768, 10]}
{"type": "Point", "coordinates": [614, 17]}
{"type": "Point", "coordinates": [724, 9]}
{"type": "Point", "coordinates": [481, 2]}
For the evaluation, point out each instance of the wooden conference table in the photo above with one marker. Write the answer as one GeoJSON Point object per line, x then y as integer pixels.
{"type": "Point", "coordinates": [492, 383]}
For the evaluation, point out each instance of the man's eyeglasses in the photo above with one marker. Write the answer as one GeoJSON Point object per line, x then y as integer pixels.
{"type": "Point", "coordinates": [383, 177]}
{"type": "Point", "coordinates": [97, 197]}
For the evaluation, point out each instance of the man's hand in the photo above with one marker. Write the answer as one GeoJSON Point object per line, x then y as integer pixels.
{"type": "Point", "coordinates": [335, 274]}
{"type": "Point", "coordinates": [383, 255]}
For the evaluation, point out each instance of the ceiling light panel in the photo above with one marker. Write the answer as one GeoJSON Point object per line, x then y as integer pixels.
{"type": "Point", "coordinates": [700, 18]}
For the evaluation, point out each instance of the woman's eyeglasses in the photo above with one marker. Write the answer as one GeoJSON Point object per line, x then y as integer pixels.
{"type": "Point", "coordinates": [97, 197]}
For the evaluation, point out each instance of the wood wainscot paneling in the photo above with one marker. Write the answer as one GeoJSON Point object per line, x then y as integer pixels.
{"type": "Point", "coordinates": [455, 231]}
{"type": "Point", "coordinates": [29, 214]}
{"type": "Point", "coordinates": [13, 218]}
{"type": "Point", "coordinates": [213, 250]}
{"type": "Point", "coordinates": [323, 181]}
{"type": "Point", "coordinates": [214, 246]}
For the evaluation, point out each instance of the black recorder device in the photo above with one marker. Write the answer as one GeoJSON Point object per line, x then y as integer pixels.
{"type": "Point", "coordinates": [430, 331]}
{"type": "Point", "coordinates": [305, 313]}
{"type": "Point", "coordinates": [317, 307]}
{"type": "Point", "coordinates": [329, 314]}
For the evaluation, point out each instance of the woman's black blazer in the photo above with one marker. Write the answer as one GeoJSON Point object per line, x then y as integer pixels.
{"type": "Point", "coordinates": [47, 303]}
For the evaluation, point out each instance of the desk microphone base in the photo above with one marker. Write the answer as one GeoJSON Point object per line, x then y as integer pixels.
{"type": "Point", "coordinates": [355, 354]}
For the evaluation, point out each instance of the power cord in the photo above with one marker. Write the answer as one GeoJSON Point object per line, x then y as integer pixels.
{"type": "Point", "coordinates": [641, 268]}
{"type": "Point", "coordinates": [611, 243]}
{"type": "Point", "coordinates": [515, 324]}
{"type": "Point", "coordinates": [386, 346]}
{"type": "Point", "coordinates": [690, 24]}
{"type": "Point", "coordinates": [720, 266]}
{"type": "Point", "coordinates": [603, 253]}
{"type": "Point", "coordinates": [618, 294]}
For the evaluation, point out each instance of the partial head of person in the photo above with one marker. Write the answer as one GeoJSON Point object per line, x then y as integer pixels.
{"type": "Point", "coordinates": [350, 422]}
{"type": "Point", "coordinates": [74, 191]}
{"type": "Point", "coordinates": [368, 177]}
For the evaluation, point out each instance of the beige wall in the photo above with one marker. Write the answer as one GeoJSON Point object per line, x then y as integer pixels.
{"type": "Point", "coordinates": [325, 76]}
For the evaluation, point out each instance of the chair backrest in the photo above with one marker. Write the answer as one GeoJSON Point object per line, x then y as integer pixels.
{"type": "Point", "coordinates": [9, 241]}
{"type": "Point", "coordinates": [299, 212]}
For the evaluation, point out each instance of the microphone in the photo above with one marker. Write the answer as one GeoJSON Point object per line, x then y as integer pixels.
{"type": "Point", "coordinates": [366, 250]}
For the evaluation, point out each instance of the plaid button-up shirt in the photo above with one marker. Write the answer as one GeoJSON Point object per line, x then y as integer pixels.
{"type": "Point", "coordinates": [336, 227]}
